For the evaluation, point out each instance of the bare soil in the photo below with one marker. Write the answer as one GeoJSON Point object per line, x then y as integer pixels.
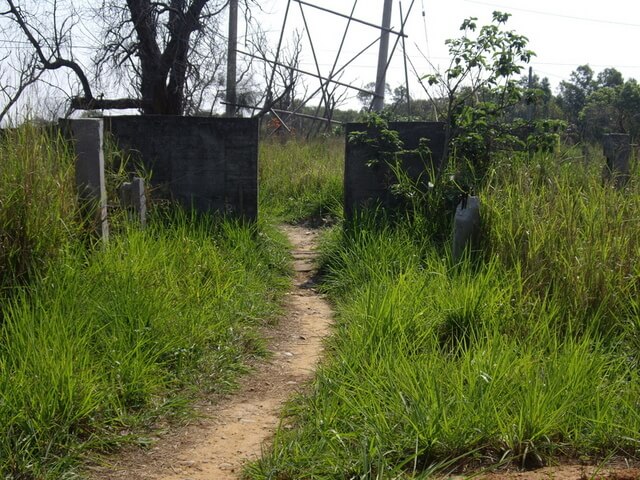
{"type": "Point", "coordinates": [617, 470]}
{"type": "Point", "coordinates": [233, 430]}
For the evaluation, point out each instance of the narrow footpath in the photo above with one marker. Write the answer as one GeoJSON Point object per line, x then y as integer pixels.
{"type": "Point", "coordinates": [237, 428]}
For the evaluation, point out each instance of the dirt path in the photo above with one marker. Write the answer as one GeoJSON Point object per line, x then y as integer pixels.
{"type": "Point", "coordinates": [235, 430]}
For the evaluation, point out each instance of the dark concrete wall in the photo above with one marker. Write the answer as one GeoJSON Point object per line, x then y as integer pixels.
{"type": "Point", "coordinates": [369, 186]}
{"type": "Point", "coordinates": [207, 163]}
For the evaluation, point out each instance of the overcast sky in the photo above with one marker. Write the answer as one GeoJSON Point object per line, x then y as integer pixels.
{"type": "Point", "coordinates": [563, 33]}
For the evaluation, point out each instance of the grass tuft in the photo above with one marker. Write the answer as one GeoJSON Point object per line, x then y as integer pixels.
{"type": "Point", "coordinates": [38, 209]}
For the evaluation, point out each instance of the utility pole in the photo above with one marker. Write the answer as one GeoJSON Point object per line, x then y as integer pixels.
{"type": "Point", "coordinates": [530, 86]}
{"type": "Point", "coordinates": [232, 53]}
{"type": "Point", "coordinates": [378, 100]}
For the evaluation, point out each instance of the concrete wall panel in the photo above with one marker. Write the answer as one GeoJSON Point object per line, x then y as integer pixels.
{"type": "Point", "coordinates": [209, 163]}
{"type": "Point", "coordinates": [369, 186]}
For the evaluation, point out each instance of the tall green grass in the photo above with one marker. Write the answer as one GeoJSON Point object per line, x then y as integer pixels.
{"type": "Point", "coordinates": [38, 210]}
{"type": "Point", "coordinates": [98, 343]}
{"type": "Point", "coordinates": [107, 342]}
{"type": "Point", "coordinates": [301, 180]}
{"type": "Point", "coordinates": [527, 354]}
{"type": "Point", "coordinates": [574, 239]}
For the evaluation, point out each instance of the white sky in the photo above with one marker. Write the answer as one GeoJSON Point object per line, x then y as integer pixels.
{"type": "Point", "coordinates": [563, 33]}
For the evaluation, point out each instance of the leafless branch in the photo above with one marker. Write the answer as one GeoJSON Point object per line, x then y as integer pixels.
{"type": "Point", "coordinates": [164, 56]}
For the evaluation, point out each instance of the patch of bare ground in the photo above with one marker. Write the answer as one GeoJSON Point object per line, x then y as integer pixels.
{"type": "Point", "coordinates": [234, 430]}
{"type": "Point", "coordinates": [613, 470]}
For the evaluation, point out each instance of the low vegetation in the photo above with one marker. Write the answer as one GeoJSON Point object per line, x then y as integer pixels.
{"type": "Point", "coordinates": [38, 210]}
{"type": "Point", "coordinates": [525, 352]}
{"type": "Point", "coordinates": [302, 180]}
{"type": "Point", "coordinates": [101, 342]}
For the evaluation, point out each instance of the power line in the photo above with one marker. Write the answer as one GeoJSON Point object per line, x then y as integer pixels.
{"type": "Point", "coordinates": [545, 74]}
{"type": "Point", "coordinates": [28, 45]}
{"type": "Point", "coordinates": [559, 15]}
{"type": "Point", "coordinates": [602, 65]}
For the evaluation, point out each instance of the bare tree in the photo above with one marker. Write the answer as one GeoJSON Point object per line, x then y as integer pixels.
{"type": "Point", "coordinates": [279, 72]}
{"type": "Point", "coordinates": [15, 78]}
{"type": "Point", "coordinates": [165, 57]}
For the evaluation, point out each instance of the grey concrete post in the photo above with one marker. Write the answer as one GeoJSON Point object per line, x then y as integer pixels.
{"type": "Point", "coordinates": [87, 136]}
{"type": "Point", "coordinates": [134, 200]}
{"type": "Point", "coordinates": [466, 226]}
{"type": "Point", "coordinates": [617, 150]}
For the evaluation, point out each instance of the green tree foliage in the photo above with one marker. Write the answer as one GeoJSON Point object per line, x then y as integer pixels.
{"type": "Point", "coordinates": [628, 103]}
{"type": "Point", "coordinates": [366, 98]}
{"type": "Point", "coordinates": [574, 93]}
{"type": "Point", "coordinates": [599, 115]}
{"type": "Point", "coordinates": [401, 102]}
{"type": "Point", "coordinates": [404, 107]}
{"type": "Point", "coordinates": [538, 101]}
{"type": "Point", "coordinates": [609, 77]}
{"type": "Point", "coordinates": [400, 95]}
{"type": "Point", "coordinates": [602, 103]}
{"type": "Point", "coordinates": [612, 110]}
{"type": "Point", "coordinates": [481, 89]}
{"type": "Point", "coordinates": [488, 59]}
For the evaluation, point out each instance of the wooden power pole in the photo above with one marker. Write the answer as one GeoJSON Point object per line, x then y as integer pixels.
{"type": "Point", "coordinates": [383, 55]}
{"type": "Point", "coordinates": [232, 54]}
{"type": "Point", "coordinates": [530, 86]}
